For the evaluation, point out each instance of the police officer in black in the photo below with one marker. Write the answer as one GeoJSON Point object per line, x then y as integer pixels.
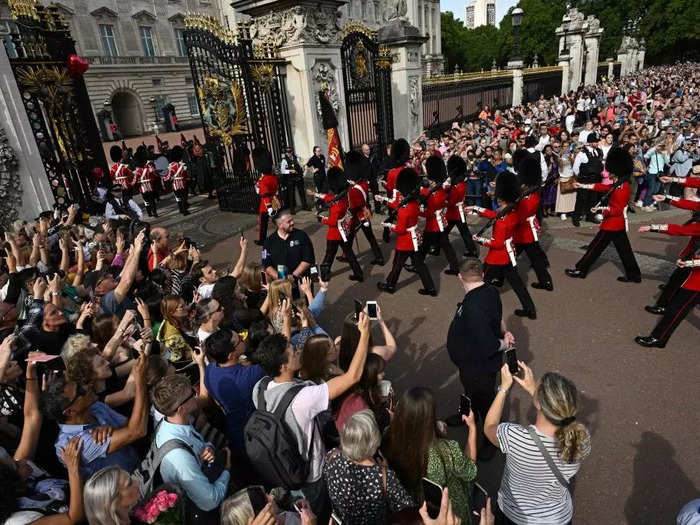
{"type": "Point", "coordinates": [317, 163]}
{"type": "Point", "coordinates": [293, 176]}
{"type": "Point", "coordinates": [588, 168]}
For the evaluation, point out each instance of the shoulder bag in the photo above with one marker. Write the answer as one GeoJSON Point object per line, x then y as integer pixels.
{"type": "Point", "coordinates": [550, 462]}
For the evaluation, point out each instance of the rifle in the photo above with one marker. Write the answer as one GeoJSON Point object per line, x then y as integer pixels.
{"type": "Point", "coordinates": [507, 209]}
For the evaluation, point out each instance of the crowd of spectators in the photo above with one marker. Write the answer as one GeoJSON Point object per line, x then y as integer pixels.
{"type": "Point", "coordinates": [137, 379]}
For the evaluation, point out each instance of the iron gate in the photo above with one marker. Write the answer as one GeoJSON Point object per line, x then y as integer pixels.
{"type": "Point", "coordinates": [49, 77]}
{"type": "Point", "coordinates": [367, 81]}
{"type": "Point", "coordinates": [243, 104]}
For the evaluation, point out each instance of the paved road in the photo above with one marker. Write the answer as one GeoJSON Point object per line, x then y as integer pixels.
{"type": "Point", "coordinates": [640, 405]}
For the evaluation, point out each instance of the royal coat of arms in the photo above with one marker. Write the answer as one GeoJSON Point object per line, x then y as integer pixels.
{"type": "Point", "coordinates": [223, 108]}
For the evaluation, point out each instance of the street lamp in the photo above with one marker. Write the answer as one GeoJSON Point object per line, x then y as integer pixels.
{"type": "Point", "coordinates": [517, 20]}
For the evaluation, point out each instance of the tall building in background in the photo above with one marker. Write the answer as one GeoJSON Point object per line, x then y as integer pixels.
{"type": "Point", "coordinates": [480, 13]}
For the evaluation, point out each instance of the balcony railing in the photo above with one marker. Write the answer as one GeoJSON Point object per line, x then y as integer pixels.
{"type": "Point", "coordinates": [135, 60]}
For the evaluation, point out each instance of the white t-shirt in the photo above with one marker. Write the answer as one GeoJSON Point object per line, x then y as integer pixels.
{"type": "Point", "coordinates": [202, 335]}
{"type": "Point", "coordinates": [205, 290]}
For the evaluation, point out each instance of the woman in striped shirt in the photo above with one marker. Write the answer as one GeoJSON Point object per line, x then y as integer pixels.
{"type": "Point", "coordinates": [532, 491]}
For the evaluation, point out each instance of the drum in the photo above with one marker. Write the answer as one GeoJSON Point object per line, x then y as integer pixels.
{"type": "Point", "coordinates": [345, 227]}
{"type": "Point", "coordinates": [441, 218]}
{"type": "Point", "coordinates": [416, 237]}
{"type": "Point", "coordinates": [161, 165]}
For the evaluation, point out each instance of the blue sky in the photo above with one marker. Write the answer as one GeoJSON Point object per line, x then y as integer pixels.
{"type": "Point", "coordinates": [457, 7]}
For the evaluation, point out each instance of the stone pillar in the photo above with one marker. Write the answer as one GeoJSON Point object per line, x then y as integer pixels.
{"type": "Point", "coordinates": [310, 42]}
{"type": "Point", "coordinates": [592, 40]}
{"type": "Point", "coordinates": [404, 42]}
{"type": "Point", "coordinates": [611, 68]}
{"type": "Point", "coordinates": [517, 87]}
{"type": "Point", "coordinates": [571, 37]}
{"type": "Point", "coordinates": [565, 73]}
{"type": "Point", "coordinates": [640, 57]}
{"type": "Point", "coordinates": [36, 195]}
{"type": "Point", "coordinates": [622, 59]}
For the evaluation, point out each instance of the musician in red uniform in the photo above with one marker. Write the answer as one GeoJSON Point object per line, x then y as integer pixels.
{"type": "Point", "coordinates": [433, 209]}
{"type": "Point", "coordinates": [407, 236]}
{"type": "Point", "coordinates": [680, 274]}
{"type": "Point", "coordinates": [177, 172]}
{"type": "Point", "coordinates": [337, 202]}
{"type": "Point", "coordinates": [526, 235]}
{"type": "Point", "coordinates": [456, 214]}
{"type": "Point", "coordinates": [687, 296]}
{"type": "Point", "coordinates": [146, 180]}
{"type": "Point", "coordinates": [400, 152]}
{"type": "Point", "coordinates": [614, 226]}
{"type": "Point", "coordinates": [357, 176]}
{"type": "Point", "coordinates": [119, 172]}
{"type": "Point", "coordinates": [500, 262]}
{"type": "Point", "coordinates": [266, 187]}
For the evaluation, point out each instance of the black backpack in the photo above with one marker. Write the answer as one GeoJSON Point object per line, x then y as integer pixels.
{"type": "Point", "coordinates": [270, 444]}
{"type": "Point", "coordinates": [591, 171]}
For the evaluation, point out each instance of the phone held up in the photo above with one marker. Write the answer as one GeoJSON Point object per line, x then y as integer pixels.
{"type": "Point", "coordinates": [358, 309]}
{"type": "Point", "coordinates": [465, 405]}
{"type": "Point", "coordinates": [372, 310]}
{"type": "Point", "coordinates": [314, 273]}
{"type": "Point", "coordinates": [512, 361]}
{"type": "Point", "coordinates": [433, 497]}
{"type": "Point", "coordinates": [257, 497]}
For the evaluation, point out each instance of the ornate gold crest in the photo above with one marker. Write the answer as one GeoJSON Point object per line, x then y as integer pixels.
{"type": "Point", "coordinates": [360, 64]}
{"type": "Point", "coordinates": [263, 74]}
{"type": "Point", "coordinates": [223, 108]}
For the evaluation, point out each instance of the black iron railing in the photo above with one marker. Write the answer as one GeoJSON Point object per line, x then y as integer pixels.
{"type": "Point", "coordinates": [541, 82]}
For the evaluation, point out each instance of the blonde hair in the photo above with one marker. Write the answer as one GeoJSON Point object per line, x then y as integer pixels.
{"type": "Point", "coordinates": [237, 509]}
{"type": "Point", "coordinates": [277, 288]}
{"type": "Point", "coordinates": [250, 277]}
{"type": "Point", "coordinates": [558, 400]}
{"type": "Point", "coordinates": [178, 261]}
{"type": "Point", "coordinates": [101, 497]}
{"type": "Point", "coordinates": [74, 345]}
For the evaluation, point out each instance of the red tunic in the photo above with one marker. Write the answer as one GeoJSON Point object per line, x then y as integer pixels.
{"type": "Point", "coordinates": [692, 182]}
{"type": "Point", "coordinates": [146, 178]}
{"type": "Point", "coordinates": [693, 280]}
{"type": "Point", "coordinates": [357, 197]}
{"type": "Point", "coordinates": [407, 218]}
{"type": "Point", "coordinates": [336, 213]}
{"type": "Point", "coordinates": [500, 244]}
{"type": "Point", "coordinates": [122, 175]}
{"type": "Point", "coordinates": [436, 202]}
{"type": "Point", "coordinates": [456, 197]}
{"type": "Point", "coordinates": [615, 213]}
{"type": "Point", "coordinates": [177, 171]}
{"type": "Point", "coordinates": [528, 229]}
{"type": "Point", "coordinates": [266, 187]}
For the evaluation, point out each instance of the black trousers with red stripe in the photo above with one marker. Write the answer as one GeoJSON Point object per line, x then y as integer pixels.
{"type": "Point", "coordinates": [677, 278]}
{"type": "Point", "coordinates": [622, 245]}
{"type": "Point", "coordinates": [262, 225]}
{"type": "Point", "coordinates": [440, 240]}
{"type": "Point", "coordinates": [332, 249]}
{"type": "Point", "coordinates": [418, 261]}
{"type": "Point", "coordinates": [538, 259]}
{"type": "Point", "coordinates": [494, 274]}
{"type": "Point", "coordinates": [371, 239]}
{"type": "Point", "coordinates": [469, 245]}
{"type": "Point", "coordinates": [678, 307]}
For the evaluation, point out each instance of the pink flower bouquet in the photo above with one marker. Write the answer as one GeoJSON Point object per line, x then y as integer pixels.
{"type": "Point", "coordinates": [162, 510]}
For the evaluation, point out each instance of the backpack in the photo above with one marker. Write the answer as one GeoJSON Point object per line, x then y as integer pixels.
{"type": "Point", "coordinates": [592, 170]}
{"type": "Point", "coordinates": [270, 444]}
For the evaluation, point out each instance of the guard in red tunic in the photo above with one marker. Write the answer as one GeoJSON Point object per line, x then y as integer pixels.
{"type": "Point", "coordinates": [357, 176]}
{"type": "Point", "coordinates": [338, 222]}
{"type": "Point", "coordinates": [266, 186]}
{"type": "Point", "coordinates": [434, 199]}
{"type": "Point", "coordinates": [119, 172]}
{"type": "Point", "coordinates": [177, 172]}
{"type": "Point", "coordinates": [400, 153]}
{"type": "Point", "coordinates": [680, 274]}
{"type": "Point", "coordinates": [500, 262]}
{"type": "Point", "coordinates": [146, 180]}
{"type": "Point", "coordinates": [614, 226]}
{"type": "Point", "coordinates": [527, 232]}
{"type": "Point", "coordinates": [687, 296]}
{"type": "Point", "coordinates": [408, 236]}
{"type": "Point", "coordinates": [456, 214]}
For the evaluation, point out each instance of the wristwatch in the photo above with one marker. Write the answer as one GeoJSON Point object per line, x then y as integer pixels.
{"type": "Point", "coordinates": [504, 390]}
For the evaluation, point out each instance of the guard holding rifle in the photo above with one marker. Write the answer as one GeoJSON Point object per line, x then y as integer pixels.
{"type": "Point", "coordinates": [614, 226]}
{"type": "Point", "coordinates": [400, 152]}
{"type": "Point", "coordinates": [177, 171]}
{"type": "Point", "coordinates": [266, 186]}
{"type": "Point", "coordinates": [293, 174]}
{"type": "Point", "coordinates": [120, 173]}
{"type": "Point", "coordinates": [456, 215]}
{"type": "Point", "coordinates": [146, 179]}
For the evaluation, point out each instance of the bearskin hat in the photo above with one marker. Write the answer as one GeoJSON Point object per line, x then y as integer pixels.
{"type": "Point", "coordinates": [176, 154]}
{"type": "Point", "coordinates": [140, 156]}
{"type": "Point", "coordinates": [337, 181]}
{"type": "Point", "coordinates": [529, 170]}
{"type": "Point", "coordinates": [407, 181]}
{"type": "Point", "coordinates": [530, 141]}
{"type": "Point", "coordinates": [518, 156]}
{"type": "Point", "coordinates": [355, 166]}
{"type": "Point", "coordinates": [456, 169]}
{"type": "Point", "coordinates": [619, 163]}
{"type": "Point", "coordinates": [400, 151]}
{"type": "Point", "coordinates": [115, 153]}
{"type": "Point", "coordinates": [435, 169]}
{"type": "Point", "coordinates": [507, 187]}
{"type": "Point", "coordinates": [262, 160]}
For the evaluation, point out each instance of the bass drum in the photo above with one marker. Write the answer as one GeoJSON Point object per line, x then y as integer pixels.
{"type": "Point", "coordinates": [161, 164]}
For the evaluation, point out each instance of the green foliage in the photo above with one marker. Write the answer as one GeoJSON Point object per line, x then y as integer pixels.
{"type": "Point", "coordinates": [671, 29]}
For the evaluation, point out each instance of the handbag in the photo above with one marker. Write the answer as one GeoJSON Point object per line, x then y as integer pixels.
{"type": "Point", "coordinates": [550, 462]}
{"type": "Point", "coordinates": [567, 186]}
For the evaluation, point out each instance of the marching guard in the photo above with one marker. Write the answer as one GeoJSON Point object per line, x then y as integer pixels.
{"type": "Point", "coordinates": [147, 180]}
{"type": "Point", "coordinates": [399, 156]}
{"type": "Point", "coordinates": [614, 226]}
{"type": "Point", "coordinates": [266, 186]}
{"type": "Point", "coordinates": [120, 173]}
{"type": "Point", "coordinates": [500, 262]}
{"type": "Point", "coordinates": [408, 236]}
{"type": "Point", "coordinates": [177, 172]}
{"type": "Point", "coordinates": [456, 214]}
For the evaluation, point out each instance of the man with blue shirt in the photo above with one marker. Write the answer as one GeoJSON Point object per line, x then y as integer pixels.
{"type": "Point", "coordinates": [106, 435]}
{"type": "Point", "coordinates": [230, 383]}
{"type": "Point", "coordinates": [175, 397]}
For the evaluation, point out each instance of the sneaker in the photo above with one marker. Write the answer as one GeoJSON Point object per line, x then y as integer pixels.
{"type": "Point", "coordinates": [648, 208]}
{"type": "Point", "coordinates": [639, 204]}
{"type": "Point", "coordinates": [563, 216]}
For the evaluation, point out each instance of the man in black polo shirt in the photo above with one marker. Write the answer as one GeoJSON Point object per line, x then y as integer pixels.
{"type": "Point", "coordinates": [317, 163]}
{"type": "Point", "coordinates": [289, 248]}
{"type": "Point", "coordinates": [478, 336]}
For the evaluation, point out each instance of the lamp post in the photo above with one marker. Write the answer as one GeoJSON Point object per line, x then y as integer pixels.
{"type": "Point", "coordinates": [517, 20]}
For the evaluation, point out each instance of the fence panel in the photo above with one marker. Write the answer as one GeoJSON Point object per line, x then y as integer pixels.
{"type": "Point", "coordinates": [541, 81]}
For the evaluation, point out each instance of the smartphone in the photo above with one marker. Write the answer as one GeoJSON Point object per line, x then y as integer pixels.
{"type": "Point", "coordinates": [298, 506]}
{"type": "Point", "coordinates": [465, 405]}
{"type": "Point", "coordinates": [384, 388]}
{"type": "Point", "coordinates": [433, 497]}
{"type": "Point", "coordinates": [335, 519]}
{"type": "Point", "coordinates": [479, 497]}
{"type": "Point", "coordinates": [257, 497]}
{"type": "Point", "coordinates": [372, 310]}
{"type": "Point", "coordinates": [512, 361]}
{"type": "Point", "coordinates": [263, 277]}
{"type": "Point", "coordinates": [325, 272]}
{"type": "Point", "coordinates": [358, 309]}
{"type": "Point", "coordinates": [314, 274]}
